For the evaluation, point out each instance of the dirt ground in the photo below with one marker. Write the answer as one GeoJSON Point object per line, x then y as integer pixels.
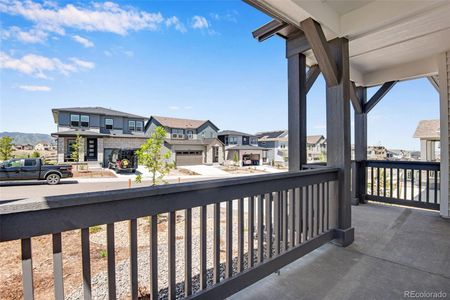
{"type": "Point", "coordinates": [242, 170]}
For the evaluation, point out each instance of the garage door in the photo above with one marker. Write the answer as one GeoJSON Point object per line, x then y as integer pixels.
{"type": "Point", "coordinates": [188, 158]}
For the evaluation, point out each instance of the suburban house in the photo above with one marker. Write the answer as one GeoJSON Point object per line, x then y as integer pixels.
{"type": "Point", "coordinates": [376, 152]}
{"type": "Point", "coordinates": [244, 146]}
{"type": "Point", "coordinates": [428, 131]}
{"type": "Point", "coordinates": [43, 146]}
{"type": "Point", "coordinates": [191, 142]}
{"type": "Point", "coordinates": [316, 148]}
{"type": "Point", "coordinates": [23, 147]}
{"type": "Point", "coordinates": [277, 144]}
{"type": "Point", "coordinates": [101, 129]}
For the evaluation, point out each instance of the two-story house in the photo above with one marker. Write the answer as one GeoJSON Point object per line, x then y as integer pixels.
{"type": "Point", "coordinates": [316, 146]}
{"type": "Point", "coordinates": [101, 129]}
{"type": "Point", "coordinates": [191, 142]}
{"type": "Point", "coordinates": [277, 144]}
{"type": "Point", "coordinates": [244, 147]}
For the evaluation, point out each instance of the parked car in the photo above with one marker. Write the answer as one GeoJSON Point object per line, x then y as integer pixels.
{"type": "Point", "coordinates": [123, 160]}
{"type": "Point", "coordinates": [33, 169]}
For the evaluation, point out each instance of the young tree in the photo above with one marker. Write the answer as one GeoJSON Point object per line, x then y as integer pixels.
{"type": "Point", "coordinates": [5, 148]}
{"type": "Point", "coordinates": [35, 154]}
{"type": "Point", "coordinates": [151, 157]}
{"type": "Point", "coordinates": [76, 149]}
{"type": "Point", "coordinates": [236, 159]}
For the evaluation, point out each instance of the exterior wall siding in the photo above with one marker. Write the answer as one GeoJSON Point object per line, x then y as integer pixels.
{"type": "Point", "coordinates": [444, 93]}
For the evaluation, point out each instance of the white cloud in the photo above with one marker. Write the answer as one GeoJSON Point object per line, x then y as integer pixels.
{"type": "Point", "coordinates": [230, 16]}
{"type": "Point", "coordinates": [32, 36]}
{"type": "Point", "coordinates": [38, 66]}
{"type": "Point", "coordinates": [176, 23]}
{"type": "Point", "coordinates": [83, 41]}
{"type": "Point", "coordinates": [107, 53]}
{"type": "Point", "coordinates": [35, 88]}
{"type": "Point", "coordinates": [105, 17]}
{"type": "Point", "coordinates": [174, 107]}
{"type": "Point", "coordinates": [199, 22]}
{"type": "Point", "coordinates": [128, 53]}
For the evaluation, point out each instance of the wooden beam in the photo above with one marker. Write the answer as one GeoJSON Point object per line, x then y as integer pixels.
{"type": "Point", "coordinates": [311, 76]}
{"type": "Point", "coordinates": [268, 30]}
{"type": "Point", "coordinates": [321, 50]}
{"type": "Point", "coordinates": [338, 137]}
{"type": "Point", "coordinates": [356, 101]}
{"type": "Point", "coordinates": [358, 166]}
{"type": "Point", "coordinates": [382, 91]}
{"type": "Point", "coordinates": [297, 111]}
{"type": "Point", "coordinates": [297, 43]}
{"type": "Point", "coordinates": [434, 80]}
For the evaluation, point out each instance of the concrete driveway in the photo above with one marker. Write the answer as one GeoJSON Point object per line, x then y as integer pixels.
{"type": "Point", "coordinates": [206, 170]}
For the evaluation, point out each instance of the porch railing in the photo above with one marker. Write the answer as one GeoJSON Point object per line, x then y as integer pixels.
{"type": "Point", "coordinates": [269, 221]}
{"type": "Point", "coordinates": [410, 183]}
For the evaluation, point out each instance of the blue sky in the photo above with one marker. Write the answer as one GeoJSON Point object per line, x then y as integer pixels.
{"type": "Point", "coordinates": [191, 59]}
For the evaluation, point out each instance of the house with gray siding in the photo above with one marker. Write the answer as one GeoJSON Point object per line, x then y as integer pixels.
{"type": "Point", "coordinates": [245, 146]}
{"type": "Point", "coordinates": [277, 144]}
{"type": "Point", "coordinates": [101, 129]}
{"type": "Point", "coordinates": [190, 142]}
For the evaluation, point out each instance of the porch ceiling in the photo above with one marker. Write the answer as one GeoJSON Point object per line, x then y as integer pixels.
{"type": "Point", "coordinates": [388, 40]}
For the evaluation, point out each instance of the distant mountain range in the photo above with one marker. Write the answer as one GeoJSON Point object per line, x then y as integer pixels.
{"type": "Point", "coordinates": [28, 138]}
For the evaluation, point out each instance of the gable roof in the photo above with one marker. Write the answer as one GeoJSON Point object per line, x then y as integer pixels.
{"type": "Point", "coordinates": [272, 134]}
{"type": "Point", "coordinates": [428, 129]}
{"type": "Point", "coordinates": [232, 132]}
{"type": "Point", "coordinates": [97, 110]}
{"type": "Point", "coordinates": [314, 139]}
{"type": "Point", "coordinates": [180, 123]}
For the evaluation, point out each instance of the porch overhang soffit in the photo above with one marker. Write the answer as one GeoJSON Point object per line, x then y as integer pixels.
{"type": "Point", "coordinates": [388, 40]}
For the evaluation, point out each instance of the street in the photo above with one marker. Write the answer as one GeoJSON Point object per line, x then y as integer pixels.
{"type": "Point", "coordinates": [32, 189]}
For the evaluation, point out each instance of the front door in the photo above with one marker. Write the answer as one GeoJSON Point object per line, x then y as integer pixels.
{"type": "Point", "coordinates": [91, 149]}
{"type": "Point", "coordinates": [215, 154]}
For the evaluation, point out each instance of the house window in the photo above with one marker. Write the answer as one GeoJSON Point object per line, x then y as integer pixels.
{"type": "Point", "coordinates": [190, 134]}
{"type": "Point", "coordinates": [74, 120]}
{"type": "Point", "coordinates": [177, 133]}
{"type": "Point", "coordinates": [84, 121]}
{"type": "Point", "coordinates": [139, 126]}
{"type": "Point", "coordinates": [232, 140]}
{"type": "Point", "coordinates": [132, 125]}
{"type": "Point", "coordinates": [109, 123]}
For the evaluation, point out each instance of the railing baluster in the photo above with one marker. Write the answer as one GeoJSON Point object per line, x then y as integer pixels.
{"type": "Point", "coordinates": [412, 184]}
{"type": "Point", "coordinates": [371, 181]}
{"type": "Point", "coordinates": [171, 263]}
{"type": "Point", "coordinates": [405, 183]}
{"type": "Point", "coordinates": [428, 187]}
{"type": "Point", "coordinates": [57, 266]}
{"type": "Point", "coordinates": [111, 261]}
{"type": "Point", "coordinates": [240, 265]}
{"type": "Point", "coordinates": [203, 220]}
{"type": "Point", "coordinates": [398, 183]}
{"type": "Point", "coordinates": [391, 174]}
{"type": "Point", "coordinates": [312, 212]}
{"type": "Point", "coordinates": [384, 182]}
{"type": "Point", "coordinates": [133, 259]}
{"type": "Point", "coordinates": [27, 269]}
{"type": "Point", "coordinates": [322, 185]}
{"type": "Point", "coordinates": [229, 239]}
{"type": "Point", "coordinates": [251, 216]}
{"type": "Point", "coordinates": [216, 243]}
{"type": "Point", "coordinates": [420, 185]}
{"type": "Point", "coordinates": [86, 263]}
{"type": "Point", "coordinates": [276, 222]}
{"type": "Point", "coordinates": [327, 189]}
{"type": "Point", "coordinates": [436, 186]}
{"type": "Point", "coordinates": [285, 223]}
{"type": "Point", "coordinates": [260, 228]}
{"type": "Point", "coordinates": [269, 224]}
{"type": "Point", "coordinates": [291, 217]}
{"type": "Point", "coordinates": [306, 228]}
{"type": "Point", "coordinates": [299, 218]}
{"type": "Point", "coordinates": [154, 257]}
{"type": "Point", "coordinates": [187, 252]}
{"type": "Point", "coordinates": [378, 181]}
{"type": "Point", "coordinates": [317, 208]}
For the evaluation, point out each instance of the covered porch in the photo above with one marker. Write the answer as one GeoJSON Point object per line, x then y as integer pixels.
{"type": "Point", "coordinates": [397, 250]}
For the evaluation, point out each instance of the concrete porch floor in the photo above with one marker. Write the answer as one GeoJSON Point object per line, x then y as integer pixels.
{"type": "Point", "coordinates": [395, 250]}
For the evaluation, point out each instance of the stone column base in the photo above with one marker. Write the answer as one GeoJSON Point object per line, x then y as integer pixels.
{"type": "Point", "coordinates": [344, 237]}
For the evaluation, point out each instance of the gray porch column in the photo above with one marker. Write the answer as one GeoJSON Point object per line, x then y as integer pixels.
{"type": "Point", "coordinates": [338, 136]}
{"type": "Point", "coordinates": [359, 169]}
{"type": "Point", "coordinates": [444, 96]}
{"type": "Point", "coordinates": [296, 109]}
